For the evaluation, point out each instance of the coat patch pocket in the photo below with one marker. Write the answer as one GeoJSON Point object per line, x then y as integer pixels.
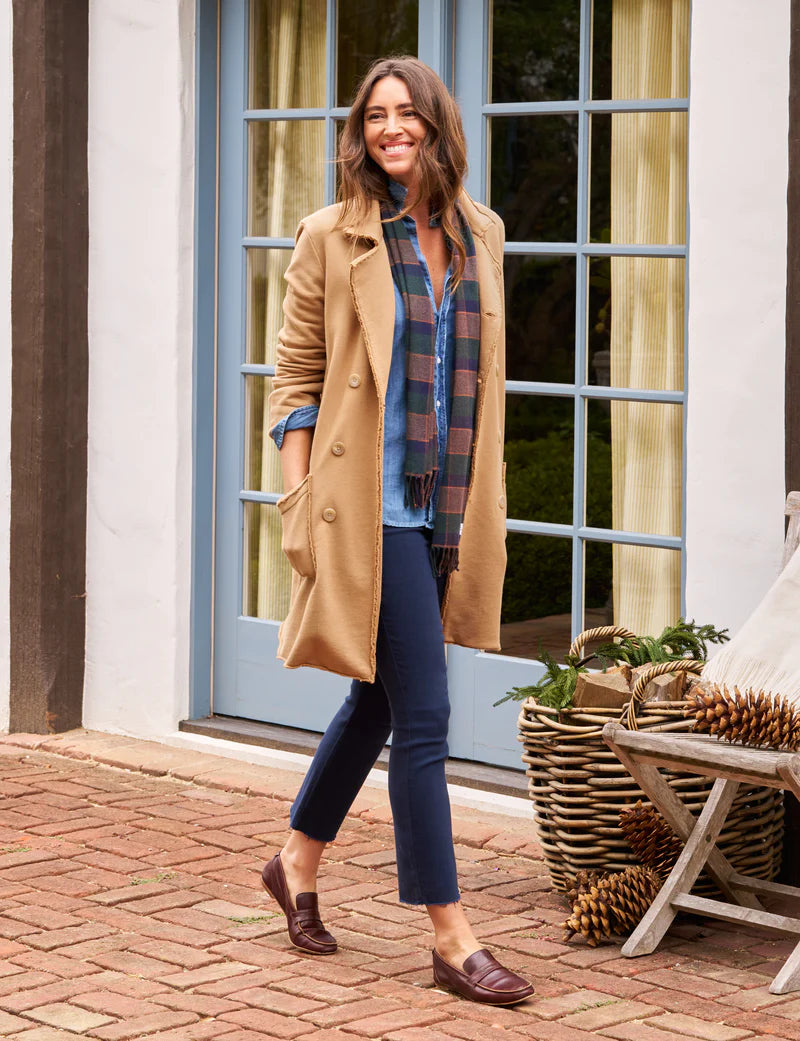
{"type": "Point", "coordinates": [295, 511]}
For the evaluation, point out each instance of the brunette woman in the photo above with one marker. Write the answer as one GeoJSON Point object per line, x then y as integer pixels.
{"type": "Point", "coordinates": [387, 408]}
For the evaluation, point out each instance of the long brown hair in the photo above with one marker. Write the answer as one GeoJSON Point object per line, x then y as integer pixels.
{"type": "Point", "coordinates": [442, 156]}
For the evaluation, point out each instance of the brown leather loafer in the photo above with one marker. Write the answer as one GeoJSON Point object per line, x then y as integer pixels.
{"type": "Point", "coordinates": [306, 930]}
{"type": "Point", "coordinates": [483, 979]}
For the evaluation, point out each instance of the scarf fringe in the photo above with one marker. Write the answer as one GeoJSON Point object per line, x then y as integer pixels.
{"type": "Point", "coordinates": [419, 488]}
{"type": "Point", "coordinates": [444, 559]}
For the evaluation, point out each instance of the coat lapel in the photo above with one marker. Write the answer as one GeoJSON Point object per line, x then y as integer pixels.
{"type": "Point", "coordinates": [373, 291]}
{"type": "Point", "coordinates": [490, 270]}
{"type": "Point", "coordinates": [373, 296]}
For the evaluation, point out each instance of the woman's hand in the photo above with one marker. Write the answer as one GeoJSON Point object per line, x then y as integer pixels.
{"type": "Point", "coordinates": [296, 456]}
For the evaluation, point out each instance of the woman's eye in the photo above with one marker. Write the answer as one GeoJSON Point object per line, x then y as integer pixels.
{"type": "Point", "coordinates": [409, 114]}
{"type": "Point", "coordinates": [373, 117]}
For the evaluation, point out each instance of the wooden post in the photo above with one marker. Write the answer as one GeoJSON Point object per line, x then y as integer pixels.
{"type": "Point", "coordinates": [49, 351]}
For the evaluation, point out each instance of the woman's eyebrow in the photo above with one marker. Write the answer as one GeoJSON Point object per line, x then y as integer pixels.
{"type": "Point", "coordinates": [382, 108]}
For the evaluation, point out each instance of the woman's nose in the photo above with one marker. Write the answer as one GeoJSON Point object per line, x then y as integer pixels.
{"type": "Point", "coordinates": [392, 125]}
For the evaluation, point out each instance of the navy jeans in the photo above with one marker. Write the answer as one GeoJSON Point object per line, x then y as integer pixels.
{"type": "Point", "coordinates": [409, 700]}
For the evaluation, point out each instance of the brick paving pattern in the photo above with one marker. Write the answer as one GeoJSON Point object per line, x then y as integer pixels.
{"type": "Point", "coordinates": [130, 907]}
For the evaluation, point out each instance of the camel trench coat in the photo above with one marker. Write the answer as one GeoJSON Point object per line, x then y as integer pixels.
{"type": "Point", "coordinates": [334, 351]}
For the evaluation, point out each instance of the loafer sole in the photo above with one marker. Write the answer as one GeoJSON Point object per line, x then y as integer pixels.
{"type": "Point", "coordinates": [482, 1001]}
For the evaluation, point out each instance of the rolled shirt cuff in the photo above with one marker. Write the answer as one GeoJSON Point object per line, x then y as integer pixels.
{"type": "Point", "coordinates": [305, 416]}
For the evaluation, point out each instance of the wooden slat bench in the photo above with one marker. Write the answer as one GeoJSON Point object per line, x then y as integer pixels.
{"type": "Point", "coordinates": [644, 755]}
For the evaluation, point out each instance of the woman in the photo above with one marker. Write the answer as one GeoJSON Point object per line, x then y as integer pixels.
{"type": "Point", "coordinates": [387, 408]}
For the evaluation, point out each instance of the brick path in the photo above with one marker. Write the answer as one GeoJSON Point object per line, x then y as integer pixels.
{"type": "Point", "coordinates": [130, 907]}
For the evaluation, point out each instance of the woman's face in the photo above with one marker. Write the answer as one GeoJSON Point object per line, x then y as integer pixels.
{"type": "Point", "coordinates": [393, 131]}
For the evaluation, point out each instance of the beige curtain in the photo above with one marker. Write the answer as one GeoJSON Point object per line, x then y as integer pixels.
{"type": "Point", "coordinates": [287, 62]}
{"type": "Point", "coordinates": [648, 205]}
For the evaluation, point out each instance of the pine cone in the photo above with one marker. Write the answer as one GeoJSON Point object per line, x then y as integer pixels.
{"type": "Point", "coordinates": [650, 837]}
{"type": "Point", "coordinates": [612, 905]}
{"type": "Point", "coordinates": [748, 718]}
{"type": "Point", "coordinates": [582, 883]}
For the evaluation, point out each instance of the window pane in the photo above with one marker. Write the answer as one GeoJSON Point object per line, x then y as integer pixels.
{"type": "Point", "coordinates": [370, 29]}
{"type": "Point", "coordinates": [539, 457]}
{"type": "Point", "coordinates": [636, 322]}
{"type": "Point", "coordinates": [534, 50]}
{"type": "Point", "coordinates": [287, 54]}
{"type": "Point", "coordinates": [634, 586]}
{"type": "Point", "coordinates": [638, 177]}
{"type": "Point", "coordinates": [262, 467]}
{"type": "Point", "coordinates": [265, 290]}
{"type": "Point", "coordinates": [650, 47]}
{"type": "Point", "coordinates": [537, 596]}
{"type": "Point", "coordinates": [634, 460]}
{"type": "Point", "coordinates": [540, 318]}
{"type": "Point", "coordinates": [598, 597]}
{"type": "Point", "coordinates": [533, 176]}
{"type": "Point", "coordinates": [267, 574]}
{"type": "Point", "coordinates": [286, 174]}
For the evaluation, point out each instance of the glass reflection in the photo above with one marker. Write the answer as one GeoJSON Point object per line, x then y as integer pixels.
{"type": "Point", "coordinates": [636, 322]}
{"type": "Point", "coordinates": [267, 574]}
{"type": "Point", "coordinates": [368, 30]}
{"type": "Point", "coordinates": [265, 290]}
{"type": "Point", "coordinates": [539, 457]}
{"type": "Point", "coordinates": [286, 174]}
{"type": "Point", "coordinates": [537, 596]}
{"type": "Point", "coordinates": [287, 54]}
{"type": "Point", "coordinates": [650, 45]}
{"type": "Point", "coordinates": [535, 50]}
{"type": "Point", "coordinates": [262, 467]}
{"type": "Point", "coordinates": [533, 176]}
{"type": "Point", "coordinates": [540, 318]}
{"type": "Point", "coordinates": [598, 595]}
{"type": "Point", "coordinates": [634, 462]}
{"type": "Point", "coordinates": [638, 177]}
{"type": "Point", "coordinates": [634, 586]}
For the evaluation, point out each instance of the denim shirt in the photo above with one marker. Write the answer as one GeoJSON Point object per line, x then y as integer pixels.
{"type": "Point", "coordinates": [395, 511]}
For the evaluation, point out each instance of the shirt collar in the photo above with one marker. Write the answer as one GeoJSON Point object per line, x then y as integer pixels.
{"type": "Point", "coordinates": [399, 193]}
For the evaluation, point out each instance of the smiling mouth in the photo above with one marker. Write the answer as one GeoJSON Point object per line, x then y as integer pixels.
{"type": "Point", "coordinates": [396, 149]}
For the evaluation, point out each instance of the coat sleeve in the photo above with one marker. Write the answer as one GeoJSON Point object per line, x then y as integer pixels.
{"type": "Point", "coordinates": [300, 361]}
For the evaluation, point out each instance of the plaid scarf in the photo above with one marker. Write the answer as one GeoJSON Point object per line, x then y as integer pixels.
{"type": "Point", "coordinates": [422, 448]}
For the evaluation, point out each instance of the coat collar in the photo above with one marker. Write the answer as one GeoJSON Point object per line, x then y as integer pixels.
{"type": "Point", "coordinates": [371, 228]}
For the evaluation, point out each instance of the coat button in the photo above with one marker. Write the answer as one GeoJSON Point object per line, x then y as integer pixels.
{"type": "Point", "coordinates": [337, 448]}
{"type": "Point", "coordinates": [355, 380]}
{"type": "Point", "coordinates": [329, 514]}
{"type": "Point", "coordinates": [501, 501]}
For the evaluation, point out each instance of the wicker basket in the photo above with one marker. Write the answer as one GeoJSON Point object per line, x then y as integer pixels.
{"type": "Point", "coordinates": [578, 786]}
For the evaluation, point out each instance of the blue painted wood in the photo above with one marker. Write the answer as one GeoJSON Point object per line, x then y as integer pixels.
{"type": "Point", "coordinates": [435, 36]}
{"type": "Point", "coordinates": [204, 357]}
{"type": "Point", "coordinates": [230, 354]}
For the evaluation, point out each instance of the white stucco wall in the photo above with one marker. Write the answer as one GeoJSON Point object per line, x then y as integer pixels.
{"type": "Point", "coordinates": [141, 170]}
{"type": "Point", "coordinates": [6, 225]}
{"type": "Point", "coordinates": [738, 162]}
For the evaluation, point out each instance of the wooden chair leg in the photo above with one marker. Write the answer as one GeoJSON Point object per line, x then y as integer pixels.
{"type": "Point", "coordinates": [788, 979]}
{"type": "Point", "coordinates": [650, 931]}
{"type": "Point", "coordinates": [679, 818]}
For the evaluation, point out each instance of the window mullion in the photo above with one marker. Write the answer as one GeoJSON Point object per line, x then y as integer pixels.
{"type": "Point", "coordinates": [581, 237]}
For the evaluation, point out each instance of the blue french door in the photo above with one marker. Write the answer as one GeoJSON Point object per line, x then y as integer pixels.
{"type": "Point", "coordinates": [533, 83]}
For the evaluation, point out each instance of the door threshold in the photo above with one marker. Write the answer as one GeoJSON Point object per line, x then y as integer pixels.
{"type": "Point", "coordinates": [464, 772]}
